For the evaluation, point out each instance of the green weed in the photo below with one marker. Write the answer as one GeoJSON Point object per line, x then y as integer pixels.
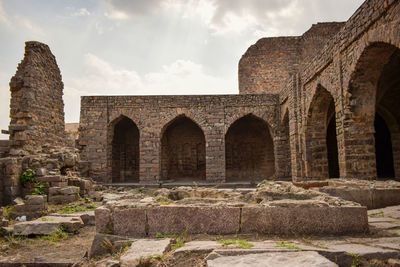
{"type": "Point", "coordinates": [241, 243]}
{"type": "Point", "coordinates": [283, 244]}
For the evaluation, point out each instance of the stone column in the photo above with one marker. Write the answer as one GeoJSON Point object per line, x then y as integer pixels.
{"type": "Point", "coordinates": [215, 144]}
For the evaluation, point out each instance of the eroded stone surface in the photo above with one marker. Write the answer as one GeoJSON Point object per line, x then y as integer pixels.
{"type": "Point", "coordinates": [48, 225]}
{"type": "Point", "coordinates": [273, 259]}
{"type": "Point", "coordinates": [144, 248]}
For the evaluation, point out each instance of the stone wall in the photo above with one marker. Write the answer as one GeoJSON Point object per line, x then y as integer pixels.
{"type": "Point", "coordinates": [269, 63]}
{"type": "Point", "coordinates": [36, 108]}
{"type": "Point", "coordinates": [154, 117]}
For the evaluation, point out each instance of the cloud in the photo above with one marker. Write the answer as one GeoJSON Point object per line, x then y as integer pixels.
{"type": "Point", "coordinates": [102, 78]}
{"type": "Point", "coordinates": [81, 12]}
{"type": "Point", "coordinates": [3, 15]}
{"type": "Point", "coordinates": [123, 9]}
{"type": "Point", "coordinates": [179, 77]}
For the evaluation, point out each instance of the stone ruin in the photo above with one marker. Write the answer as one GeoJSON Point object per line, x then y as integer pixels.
{"type": "Point", "coordinates": [315, 111]}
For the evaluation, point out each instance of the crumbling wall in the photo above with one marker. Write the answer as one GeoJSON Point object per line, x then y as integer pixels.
{"type": "Point", "coordinates": [268, 64]}
{"type": "Point", "coordinates": [37, 107]}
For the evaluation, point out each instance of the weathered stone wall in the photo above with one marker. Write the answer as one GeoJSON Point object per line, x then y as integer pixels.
{"type": "Point", "coordinates": [37, 107]}
{"type": "Point", "coordinates": [355, 58]}
{"type": "Point", "coordinates": [327, 86]}
{"type": "Point", "coordinates": [153, 114]}
{"type": "Point", "coordinates": [269, 63]}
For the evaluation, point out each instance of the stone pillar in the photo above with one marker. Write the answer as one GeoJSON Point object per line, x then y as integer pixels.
{"type": "Point", "coordinates": [356, 146]}
{"type": "Point", "coordinates": [215, 144]}
{"type": "Point", "coordinates": [396, 153]}
{"type": "Point", "coordinates": [149, 162]}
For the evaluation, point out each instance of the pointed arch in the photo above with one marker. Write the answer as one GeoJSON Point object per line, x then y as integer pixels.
{"type": "Point", "coordinates": [321, 141]}
{"type": "Point", "coordinates": [124, 154]}
{"type": "Point", "coordinates": [183, 149]}
{"type": "Point", "coordinates": [374, 88]}
{"type": "Point", "coordinates": [249, 150]}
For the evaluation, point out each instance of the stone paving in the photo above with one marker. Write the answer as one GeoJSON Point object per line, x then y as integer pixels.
{"type": "Point", "coordinates": [381, 244]}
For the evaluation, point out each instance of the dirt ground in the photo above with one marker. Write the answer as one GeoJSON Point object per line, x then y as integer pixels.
{"type": "Point", "coordinates": [67, 250]}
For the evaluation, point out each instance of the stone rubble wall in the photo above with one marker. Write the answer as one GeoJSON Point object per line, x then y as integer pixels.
{"type": "Point", "coordinates": [37, 107]}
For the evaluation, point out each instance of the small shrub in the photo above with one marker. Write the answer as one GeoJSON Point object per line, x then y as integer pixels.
{"type": "Point", "coordinates": [39, 188]}
{"type": "Point", "coordinates": [354, 262]}
{"type": "Point", "coordinates": [7, 211]}
{"type": "Point", "coordinates": [179, 242]}
{"type": "Point", "coordinates": [160, 235]}
{"type": "Point", "coordinates": [28, 176]}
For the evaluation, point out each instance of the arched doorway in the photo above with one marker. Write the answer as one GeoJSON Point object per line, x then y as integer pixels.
{"type": "Point", "coordinates": [321, 141]}
{"type": "Point", "coordinates": [383, 149]}
{"type": "Point", "coordinates": [183, 151]}
{"type": "Point", "coordinates": [375, 94]}
{"type": "Point", "coordinates": [249, 150]}
{"type": "Point", "coordinates": [125, 151]}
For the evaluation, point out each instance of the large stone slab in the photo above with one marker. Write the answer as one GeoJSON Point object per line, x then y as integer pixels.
{"type": "Point", "coordinates": [48, 225]}
{"type": "Point", "coordinates": [144, 249]}
{"type": "Point", "coordinates": [304, 220]}
{"type": "Point", "coordinates": [273, 259]}
{"type": "Point", "coordinates": [99, 249]}
{"type": "Point", "coordinates": [130, 222]}
{"type": "Point", "coordinates": [193, 220]}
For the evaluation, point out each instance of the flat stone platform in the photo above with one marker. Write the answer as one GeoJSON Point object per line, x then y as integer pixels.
{"type": "Point", "coordinates": [277, 208]}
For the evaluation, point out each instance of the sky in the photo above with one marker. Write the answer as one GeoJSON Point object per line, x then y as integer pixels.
{"type": "Point", "coordinates": [149, 47]}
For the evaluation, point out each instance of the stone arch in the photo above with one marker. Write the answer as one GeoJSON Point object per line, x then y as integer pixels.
{"type": "Point", "coordinates": [123, 150]}
{"type": "Point", "coordinates": [249, 150]}
{"type": "Point", "coordinates": [374, 88]}
{"type": "Point", "coordinates": [260, 113]}
{"type": "Point", "coordinates": [183, 149]}
{"type": "Point", "coordinates": [320, 133]}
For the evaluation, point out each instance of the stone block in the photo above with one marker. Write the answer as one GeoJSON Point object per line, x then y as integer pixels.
{"type": "Point", "coordinates": [69, 190]}
{"type": "Point", "coordinates": [103, 220]}
{"type": "Point", "coordinates": [304, 220]}
{"type": "Point", "coordinates": [384, 197]}
{"type": "Point", "coordinates": [59, 184]}
{"type": "Point", "coordinates": [98, 249]}
{"type": "Point", "coordinates": [48, 225]}
{"type": "Point", "coordinates": [129, 222]}
{"type": "Point", "coordinates": [193, 220]}
{"type": "Point", "coordinates": [62, 199]}
{"type": "Point", "coordinates": [363, 196]}
{"type": "Point", "coordinates": [143, 249]}
{"type": "Point", "coordinates": [273, 259]}
{"type": "Point", "coordinates": [35, 200]}
{"type": "Point", "coordinates": [53, 178]}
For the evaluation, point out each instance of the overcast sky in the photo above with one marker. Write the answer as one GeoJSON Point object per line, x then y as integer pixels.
{"type": "Point", "coordinates": [132, 47]}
